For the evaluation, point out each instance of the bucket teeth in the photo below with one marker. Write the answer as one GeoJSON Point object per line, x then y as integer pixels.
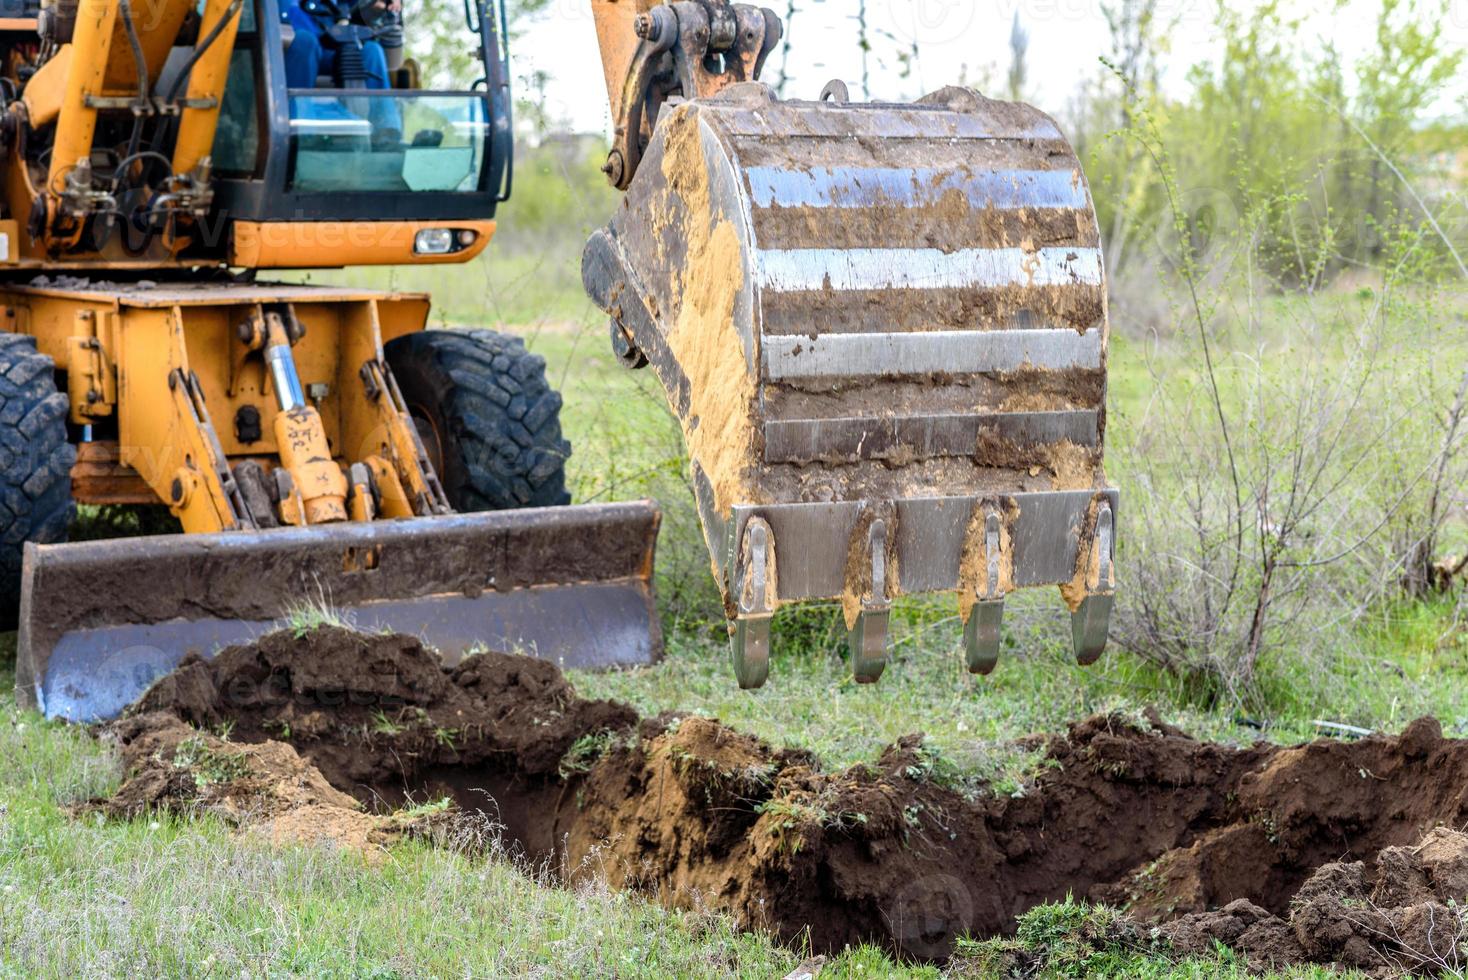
{"type": "Point", "coordinates": [1089, 626]}
{"type": "Point", "coordinates": [1090, 623]}
{"type": "Point", "coordinates": [868, 636]}
{"type": "Point", "coordinates": [749, 637]}
{"type": "Point", "coordinates": [868, 641]}
{"type": "Point", "coordinates": [982, 631]}
{"type": "Point", "coordinates": [750, 643]}
{"type": "Point", "coordinates": [982, 634]}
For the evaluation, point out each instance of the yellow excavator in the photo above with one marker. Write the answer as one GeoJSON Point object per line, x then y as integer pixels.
{"type": "Point", "coordinates": [882, 326]}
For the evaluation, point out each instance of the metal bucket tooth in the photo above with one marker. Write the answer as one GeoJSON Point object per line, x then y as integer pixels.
{"type": "Point", "coordinates": [982, 635]}
{"type": "Point", "coordinates": [750, 648]}
{"type": "Point", "coordinates": [983, 629]}
{"type": "Point", "coordinates": [749, 637]}
{"type": "Point", "coordinates": [867, 638]}
{"type": "Point", "coordinates": [868, 642]}
{"type": "Point", "coordinates": [1089, 626]}
{"type": "Point", "coordinates": [1090, 621]}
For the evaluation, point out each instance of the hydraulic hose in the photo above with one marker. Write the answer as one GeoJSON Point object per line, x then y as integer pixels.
{"type": "Point", "coordinates": [202, 48]}
{"type": "Point", "coordinates": [199, 51]}
{"type": "Point", "coordinates": [124, 7]}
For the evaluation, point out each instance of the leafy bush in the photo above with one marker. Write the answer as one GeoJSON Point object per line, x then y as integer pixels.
{"type": "Point", "coordinates": [1277, 136]}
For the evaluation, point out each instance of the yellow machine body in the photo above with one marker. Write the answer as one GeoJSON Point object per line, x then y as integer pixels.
{"type": "Point", "coordinates": [266, 417]}
{"type": "Point", "coordinates": [167, 363]}
{"type": "Point", "coordinates": [883, 328]}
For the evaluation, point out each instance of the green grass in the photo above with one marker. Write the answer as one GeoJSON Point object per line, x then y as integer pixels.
{"type": "Point", "coordinates": [811, 702]}
{"type": "Point", "coordinates": [1071, 939]}
{"type": "Point", "coordinates": [188, 897]}
{"type": "Point", "coordinates": [313, 612]}
{"type": "Point", "coordinates": [166, 896]}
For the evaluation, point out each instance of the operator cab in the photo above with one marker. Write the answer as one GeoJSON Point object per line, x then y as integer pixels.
{"type": "Point", "coordinates": [319, 124]}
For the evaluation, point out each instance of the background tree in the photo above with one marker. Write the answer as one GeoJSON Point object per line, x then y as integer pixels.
{"type": "Point", "coordinates": [437, 38]}
{"type": "Point", "coordinates": [1019, 46]}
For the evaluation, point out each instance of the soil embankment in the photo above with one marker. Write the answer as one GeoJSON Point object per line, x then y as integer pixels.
{"type": "Point", "coordinates": [1324, 852]}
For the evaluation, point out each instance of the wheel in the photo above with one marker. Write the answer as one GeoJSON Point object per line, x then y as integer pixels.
{"type": "Point", "coordinates": [35, 462]}
{"type": "Point", "coordinates": [489, 420]}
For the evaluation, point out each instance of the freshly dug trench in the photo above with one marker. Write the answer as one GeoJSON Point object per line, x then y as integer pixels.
{"type": "Point", "coordinates": [382, 720]}
{"type": "Point", "coordinates": [692, 812]}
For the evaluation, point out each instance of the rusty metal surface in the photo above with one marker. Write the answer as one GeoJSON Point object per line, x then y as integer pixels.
{"type": "Point", "coordinates": [100, 620]}
{"type": "Point", "coordinates": [928, 537]}
{"type": "Point", "coordinates": [951, 435]}
{"type": "Point", "coordinates": [99, 476]}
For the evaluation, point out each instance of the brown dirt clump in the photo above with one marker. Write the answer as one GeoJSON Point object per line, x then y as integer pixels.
{"type": "Point", "coordinates": [1272, 850]}
{"type": "Point", "coordinates": [382, 719]}
{"type": "Point", "coordinates": [1399, 914]}
{"type": "Point", "coordinates": [266, 787]}
{"type": "Point", "coordinates": [339, 696]}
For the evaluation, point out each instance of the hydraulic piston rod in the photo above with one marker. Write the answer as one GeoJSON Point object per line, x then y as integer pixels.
{"type": "Point", "coordinates": [315, 491]}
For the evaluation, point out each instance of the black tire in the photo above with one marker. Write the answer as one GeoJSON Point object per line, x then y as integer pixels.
{"type": "Point", "coordinates": [489, 420]}
{"type": "Point", "coordinates": [35, 462]}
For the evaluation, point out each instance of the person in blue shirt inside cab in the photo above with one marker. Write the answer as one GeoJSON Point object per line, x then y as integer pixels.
{"type": "Point", "coordinates": [340, 39]}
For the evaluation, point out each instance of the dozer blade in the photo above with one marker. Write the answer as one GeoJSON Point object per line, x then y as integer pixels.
{"type": "Point", "coordinates": [101, 620]}
{"type": "Point", "coordinates": [884, 329]}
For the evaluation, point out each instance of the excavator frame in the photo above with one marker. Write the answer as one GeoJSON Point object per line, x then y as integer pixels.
{"type": "Point", "coordinates": [267, 417]}
{"type": "Point", "coordinates": [882, 326]}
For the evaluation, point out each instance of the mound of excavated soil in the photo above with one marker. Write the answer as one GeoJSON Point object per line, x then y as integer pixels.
{"type": "Point", "coordinates": [1397, 914]}
{"type": "Point", "coordinates": [266, 787]}
{"type": "Point", "coordinates": [384, 721]}
{"type": "Point", "coordinates": [1308, 853]}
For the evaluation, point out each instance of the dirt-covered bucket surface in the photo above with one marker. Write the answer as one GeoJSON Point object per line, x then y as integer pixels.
{"type": "Point", "coordinates": [1332, 852]}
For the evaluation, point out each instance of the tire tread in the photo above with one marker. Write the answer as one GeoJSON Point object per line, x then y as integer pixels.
{"type": "Point", "coordinates": [35, 483]}
{"type": "Point", "coordinates": [503, 416]}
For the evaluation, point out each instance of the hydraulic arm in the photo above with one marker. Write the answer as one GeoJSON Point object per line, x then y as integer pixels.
{"type": "Point", "coordinates": [882, 326]}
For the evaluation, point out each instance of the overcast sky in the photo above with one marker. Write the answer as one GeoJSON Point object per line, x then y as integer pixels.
{"type": "Point", "coordinates": [958, 40]}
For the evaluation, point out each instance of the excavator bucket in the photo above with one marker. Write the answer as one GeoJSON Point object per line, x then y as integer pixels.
{"type": "Point", "coordinates": [100, 621]}
{"type": "Point", "coordinates": [884, 329]}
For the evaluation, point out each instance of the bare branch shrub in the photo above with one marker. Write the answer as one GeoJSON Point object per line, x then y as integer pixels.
{"type": "Point", "coordinates": [1418, 533]}
{"type": "Point", "coordinates": [1416, 537]}
{"type": "Point", "coordinates": [1276, 448]}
